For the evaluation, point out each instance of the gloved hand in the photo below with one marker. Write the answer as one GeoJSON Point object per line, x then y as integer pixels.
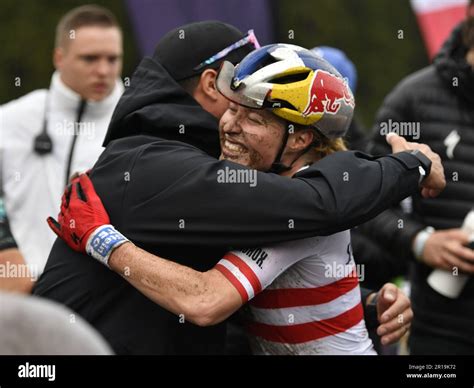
{"type": "Point", "coordinates": [83, 222]}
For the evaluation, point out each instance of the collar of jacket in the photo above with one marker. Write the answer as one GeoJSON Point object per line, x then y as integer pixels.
{"type": "Point", "coordinates": [452, 66]}
{"type": "Point", "coordinates": [63, 98]}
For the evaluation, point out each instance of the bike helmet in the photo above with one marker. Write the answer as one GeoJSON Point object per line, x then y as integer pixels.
{"type": "Point", "coordinates": [294, 83]}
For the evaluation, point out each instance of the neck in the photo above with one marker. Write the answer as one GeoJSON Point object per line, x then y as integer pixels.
{"type": "Point", "coordinates": [304, 160]}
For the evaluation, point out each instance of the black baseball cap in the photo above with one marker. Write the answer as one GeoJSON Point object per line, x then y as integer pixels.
{"type": "Point", "coordinates": [183, 51]}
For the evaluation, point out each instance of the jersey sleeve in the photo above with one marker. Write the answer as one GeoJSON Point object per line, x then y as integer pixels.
{"type": "Point", "coordinates": [252, 270]}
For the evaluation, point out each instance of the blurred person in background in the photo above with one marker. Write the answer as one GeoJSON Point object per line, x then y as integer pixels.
{"type": "Point", "coordinates": [36, 326]}
{"type": "Point", "coordinates": [436, 104]}
{"type": "Point", "coordinates": [47, 135]}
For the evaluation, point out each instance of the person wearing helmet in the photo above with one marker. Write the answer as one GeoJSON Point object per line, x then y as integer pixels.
{"type": "Point", "coordinates": [313, 305]}
{"type": "Point", "coordinates": [158, 178]}
{"type": "Point", "coordinates": [292, 83]}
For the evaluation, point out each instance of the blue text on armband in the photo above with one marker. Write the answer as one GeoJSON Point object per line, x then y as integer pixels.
{"type": "Point", "coordinates": [104, 241]}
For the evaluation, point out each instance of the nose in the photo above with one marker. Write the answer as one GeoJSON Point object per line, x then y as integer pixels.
{"type": "Point", "coordinates": [103, 67]}
{"type": "Point", "coordinates": [232, 122]}
{"type": "Point", "coordinates": [232, 126]}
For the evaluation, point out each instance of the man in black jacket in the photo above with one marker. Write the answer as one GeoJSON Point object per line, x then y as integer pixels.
{"type": "Point", "coordinates": [158, 181]}
{"type": "Point", "coordinates": [435, 106]}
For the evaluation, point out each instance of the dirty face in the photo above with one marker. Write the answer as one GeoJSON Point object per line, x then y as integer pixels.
{"type": "Point", "coordinates": [250, 137]}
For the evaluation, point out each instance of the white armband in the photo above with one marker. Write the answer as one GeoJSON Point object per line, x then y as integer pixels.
{"type": "Point", "coordinates": [103, 241]}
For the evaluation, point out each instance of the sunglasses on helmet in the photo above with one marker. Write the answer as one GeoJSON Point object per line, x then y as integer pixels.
{"type": "Point", "coordinates": [250, 38]}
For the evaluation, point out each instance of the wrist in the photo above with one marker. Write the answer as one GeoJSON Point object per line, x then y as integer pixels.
{"type": "Point", "coordinates": [116, 259]}
{"type": "Point", "coordinates": [103, 241]}
{"type": "Point", "coordinates": [425, 164]}
{"type": "Point", "coordinates": [419, 242]}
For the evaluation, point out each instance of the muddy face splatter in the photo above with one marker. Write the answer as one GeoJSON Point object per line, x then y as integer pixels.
{"type": "Point", "coordinates": [250, 137]}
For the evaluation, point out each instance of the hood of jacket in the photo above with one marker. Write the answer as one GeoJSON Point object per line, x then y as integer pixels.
{"type": "Point", "coordinates": [452, 66]}
{"type": "Point", "coordinates": [155, 104]}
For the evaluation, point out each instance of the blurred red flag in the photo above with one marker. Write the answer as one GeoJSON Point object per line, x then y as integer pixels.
{"type": "Point", "coordinates": [436, 19]}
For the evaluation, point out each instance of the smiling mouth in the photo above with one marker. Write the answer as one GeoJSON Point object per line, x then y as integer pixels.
{"type": "Point", "coordinates": [230, 148]}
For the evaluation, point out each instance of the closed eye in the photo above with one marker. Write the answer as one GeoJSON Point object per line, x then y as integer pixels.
{"type": "Point", "coordinates": [256, 119]}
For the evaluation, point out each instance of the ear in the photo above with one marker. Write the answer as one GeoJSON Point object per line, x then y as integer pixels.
{"type": "Point", "coordinates": [300, 139]}
{"type": "Point", "coordinates": [58, 56]}
{"type": "Point", "coordinates": [208, 84]}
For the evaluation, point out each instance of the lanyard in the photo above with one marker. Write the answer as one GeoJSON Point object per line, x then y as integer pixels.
{"type": "Point", "coordinates": [43, 144]}
{"type": "Point", "coordinates": [79, 114]}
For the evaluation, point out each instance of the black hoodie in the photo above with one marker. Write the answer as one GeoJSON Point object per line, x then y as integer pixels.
{"type": "Point", "coordinates": [440, 99]}
{"type": "Point", "coordinates": [453, 69]}
{"type": "Point", "coordinates": [160, 188]}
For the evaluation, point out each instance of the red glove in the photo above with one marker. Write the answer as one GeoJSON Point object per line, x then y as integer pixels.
{"type": "Point", "coordinates": [82, 212]}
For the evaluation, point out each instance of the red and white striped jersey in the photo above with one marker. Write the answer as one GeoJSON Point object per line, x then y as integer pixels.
{"type": "Point", "coordinates": [304, 296]}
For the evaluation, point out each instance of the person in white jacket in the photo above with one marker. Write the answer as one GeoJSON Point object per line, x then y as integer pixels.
{"type": "Point", "coordinates": [47, 135]}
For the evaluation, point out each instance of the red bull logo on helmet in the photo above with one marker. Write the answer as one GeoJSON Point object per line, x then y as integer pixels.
{"type": "Point", "coordinates": [326, 94]}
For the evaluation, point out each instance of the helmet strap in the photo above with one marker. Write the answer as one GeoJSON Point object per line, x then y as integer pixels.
{"type": "Point", "coordinates": [277, 166]}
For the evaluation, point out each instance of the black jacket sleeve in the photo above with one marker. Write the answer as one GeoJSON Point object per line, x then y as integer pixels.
{"type": "Point", "coordinates": [189, 205]}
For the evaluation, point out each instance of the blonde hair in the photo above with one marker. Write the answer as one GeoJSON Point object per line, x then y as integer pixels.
{"type": "Point", "coordinates": [323, 146]}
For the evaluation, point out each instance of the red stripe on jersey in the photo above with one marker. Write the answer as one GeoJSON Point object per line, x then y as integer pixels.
{"type": "Point", "coordinates": [310, 331]}
{"type": "Point", "coordinates": [296, 297]}
{"type": "Point", "coordinates": [246, 271]}
{"type": "Point", "coordinates": [235, 282]}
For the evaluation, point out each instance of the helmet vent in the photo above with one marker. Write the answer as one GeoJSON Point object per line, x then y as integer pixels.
{"type": "Point", "coordinates": [267, 60]}
{"type": "Point", "coordinates": [277, 104]}
{"type": "Point", "coordinates": [288, 79]}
